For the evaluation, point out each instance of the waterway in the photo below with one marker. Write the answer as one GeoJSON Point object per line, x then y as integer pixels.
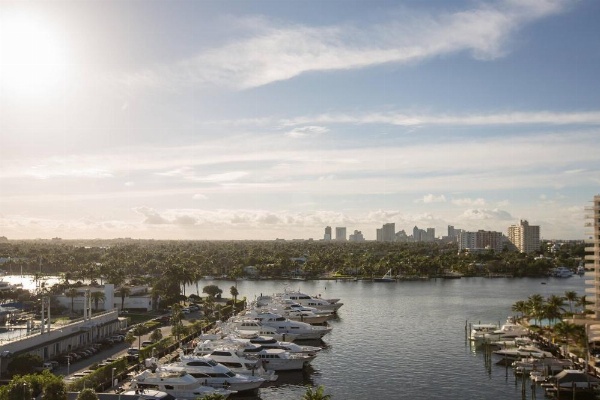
{"type": "Point", "coordinates": [406, 340]}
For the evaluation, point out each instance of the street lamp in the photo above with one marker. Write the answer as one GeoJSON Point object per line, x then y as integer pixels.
{"type": "Point", "coordinates": [112, 377]}
{"type": "Point", "coordinates": [68, 365]}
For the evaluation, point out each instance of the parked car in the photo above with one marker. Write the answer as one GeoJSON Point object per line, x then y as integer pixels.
{"type": "Point", "coordinates": [147, 343]}
{"type": "Point", "coordinates": [133, 351]}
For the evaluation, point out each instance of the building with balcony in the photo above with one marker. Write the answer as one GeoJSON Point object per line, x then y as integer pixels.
{"type": "Point", "coordinates": [525, 237]}
{"type": "Point", "coordinates": [592, 264]}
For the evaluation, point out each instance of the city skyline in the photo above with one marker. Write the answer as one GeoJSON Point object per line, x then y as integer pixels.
{"type": "Point", "coordinates": [225, 120]}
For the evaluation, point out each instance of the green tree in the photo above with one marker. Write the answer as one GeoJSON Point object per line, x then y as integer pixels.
{"type": "Point", "coordinates": [317, 394]}
{"type": "Point", "coordinates": [212, 291]}
{"type": "Point", "coordinates": [124, 292]}
{"type": "Point", "coordinates": [87, 394]}
{"type": "Point", "coordinates": [212, 396]}
{"type": "Point", "coordinates": [97, 297]}
{"type": "Point", "coordinates": [156, 335]}
{"type": "Point", "coordinates": [55, 390]}
{"type": "Point", "coordinates": [572, 298]}
{"type": "Point", "coordinates": [72, 293]}
{"type": "Point", "coordinates": [234, 292]}
{"type": "Point", "coordinates": [24, 364]}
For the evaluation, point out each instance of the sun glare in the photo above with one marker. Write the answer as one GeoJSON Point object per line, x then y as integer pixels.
{"type": "Point", "coordinates": [32, 56]}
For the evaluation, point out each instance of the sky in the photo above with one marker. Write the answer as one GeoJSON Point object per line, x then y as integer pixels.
{"type": "Point", "coordinates": [231, 120]}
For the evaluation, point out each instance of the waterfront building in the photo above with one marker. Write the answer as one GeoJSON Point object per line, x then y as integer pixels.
{"type": "Point", "coordinates": [340, 234]}
{"type": "Point", "coordinates": [481, 240]}
{"type": "Point", "coordinates": [525, 237]}
{"type": "Point", "coordinates": [592, 264]}
{"type": "Point", "coordinates": [138, 298]}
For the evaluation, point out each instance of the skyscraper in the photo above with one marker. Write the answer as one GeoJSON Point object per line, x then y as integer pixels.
{"type": "Point", "coordinates": [340, 234]}
{"type": "Point", "coordinates": [525, 237]}
{"type": "Point", "coordinates": [592, 263]}
{"type": "Point", "coordinates": [327, 233]}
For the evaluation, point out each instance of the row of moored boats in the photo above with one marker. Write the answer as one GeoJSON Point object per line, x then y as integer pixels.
{"type": "Point", "coordinates": [245, 352]}
{"type": "Point", "coordinates": [513, 347]}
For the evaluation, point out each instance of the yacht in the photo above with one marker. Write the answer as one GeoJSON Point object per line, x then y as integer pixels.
{"type": "Point", "coordinates": [562, 272]}
{"type": "Point", "coordinates": [317, 302]}
{"type": "Point", "coordinates": [270, 343]}
{"type": "Point", "coordinates": [247, 327]}
{"type": "Point", "coordinates": [231, 356]}
{"type": "Point", "coordinates": [210, 373]}
{"type": "Point", "coordinates": [483, 331]}
{"type": "Point", "coordinates": [510, 330]}
{"type": "Point", "coordinates": [178, 384]}
{"type": "Point", "coordinates": [283, 325]}
{"type": "Point", "coordinates": [281, 360]}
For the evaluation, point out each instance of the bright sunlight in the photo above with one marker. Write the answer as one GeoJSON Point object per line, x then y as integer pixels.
{"type": "Point", "coordinates": [32, 56]}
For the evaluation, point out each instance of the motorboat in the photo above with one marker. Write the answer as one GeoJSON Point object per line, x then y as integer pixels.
{"type": "Point", "coordinates": [483, 331]}
{"type": "Point", "coordinates": [178, 384]}
{"type": "Point", "coordinates": [520, 352]}
{"type": "Point", "coordinates": [270, 343]}
{"type": "Point", "coordinates": [572, 384]}
{"type": "Point", "coordinates": [281, 360]}
{"type": "Point", "coordinates": [561, 272]}
{"type": "Point", "coordinates": [283, 325]}
{"type": "Point", "coordinates": [232, 356]}
{"type": "Point", "coordinates": [510, 330]}
{"type": "Point", "coordinates": [210, 373]}
{"type": "Point", "coordinates": [306, 300]}
{"type": "Point", "coordinates": [146, 394]}
{"type": "Point", "coordinates": [387, 277]}
{"type": "Point", "coordinates": [247, 327]}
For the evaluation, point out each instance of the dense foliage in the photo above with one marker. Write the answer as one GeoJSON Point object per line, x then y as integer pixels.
{"type": "Point", "coordinates": [168, 266]}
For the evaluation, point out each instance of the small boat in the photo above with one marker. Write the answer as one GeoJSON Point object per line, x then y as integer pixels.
{"type": "Point", "coordinates": [386, 278]}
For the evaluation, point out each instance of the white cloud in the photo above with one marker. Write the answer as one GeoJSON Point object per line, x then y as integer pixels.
{"type": "Point", "coordinates": [296, 49]}
{"type": "Point", "coordinates": [479, 202]}
{"type": "Point", "coordinates": [307, 131]}
{"type": "Point", "coordinates": [482, 214]}
{"type": "Point", "coordinates": [199, 196]}
{"type": "Point", "coordinates": [430, 198]}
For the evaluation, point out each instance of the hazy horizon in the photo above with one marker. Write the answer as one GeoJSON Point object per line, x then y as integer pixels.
{"type": "Point", "coordinates": [257, 120]}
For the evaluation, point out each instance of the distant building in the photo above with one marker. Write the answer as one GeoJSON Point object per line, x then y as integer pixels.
{"type": "Point", "coordinates": [525, 237]}
{"type": "Point", "coordinates": [481, 240]}
{"type": "Point", "coordinates": [357, 236]}
{"type": "Point", "coordinates": [401, 236]}
{"type": "Point", "coordinates": [340, 234]}
{"type": "Point", "coordinates": [421, 235]}
{"type": "Point", "coordinates": [327, 235]}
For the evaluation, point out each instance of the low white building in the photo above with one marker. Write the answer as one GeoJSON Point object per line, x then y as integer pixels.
{"type": "Point", "coordinates": [138, 298]}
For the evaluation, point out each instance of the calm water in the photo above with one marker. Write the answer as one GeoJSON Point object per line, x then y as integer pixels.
{"type": "Point", "coordinates": [406, 340]}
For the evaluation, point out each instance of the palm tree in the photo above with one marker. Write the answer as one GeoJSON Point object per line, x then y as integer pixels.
{"type": "Point", "coordinates": [72, 293]}
{"type": "Point", "coordinates": [124, 292]}
{"type": "Point", "coordinates": [318, 394]}
{"type": "Point", "coordinates": [571, 297]}
{"type": "Point", "coordinates": [565, 330]}
{"type": "Point", "coordinates": [234, 292]}
{"type": "Point", "coordinates": [97, 297]}
{"type": "Point", "coordinates": [535, 304]}
{"type": "Point", "coordinates": [520, 307]}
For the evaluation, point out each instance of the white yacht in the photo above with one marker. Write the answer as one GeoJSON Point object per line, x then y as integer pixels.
{"type": "Point", "coordinates": [233, 358]}
{"type": "Point", "coordinates": [510, 330]}
{"type": "Point", "coordinates": [270, 343]}
{"type": "Point", "coordinates": [177, 384]}
{"type": "Point", "coordinates": [247, 327]}
{"type": "Point", "coordinates": [283, 325]}
{"type": "Point", "coordinates": [210, 373]}
{"type": "Point", "coordinates": [281, 360]}
{"type": "Point", "coordinates": [483, 331]}
{"type": "Point", "coordinates": [316, 302]}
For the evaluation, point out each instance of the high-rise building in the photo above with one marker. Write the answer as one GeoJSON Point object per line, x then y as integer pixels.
{"type": "Point", "coordinates": [387, 233]}
{"type": "Point", "coordinates": [357, 236]}
{"type": "Point", "coordinates": [481, 240]}
{"type": "Point", "coordinates": [340, 234]}
{"type": "Point", "coordinates": [327, 235]}
{"type": "Point", "coordinates": [592, 263]}
{"type": "Point", "coordinates": [525, 237]}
